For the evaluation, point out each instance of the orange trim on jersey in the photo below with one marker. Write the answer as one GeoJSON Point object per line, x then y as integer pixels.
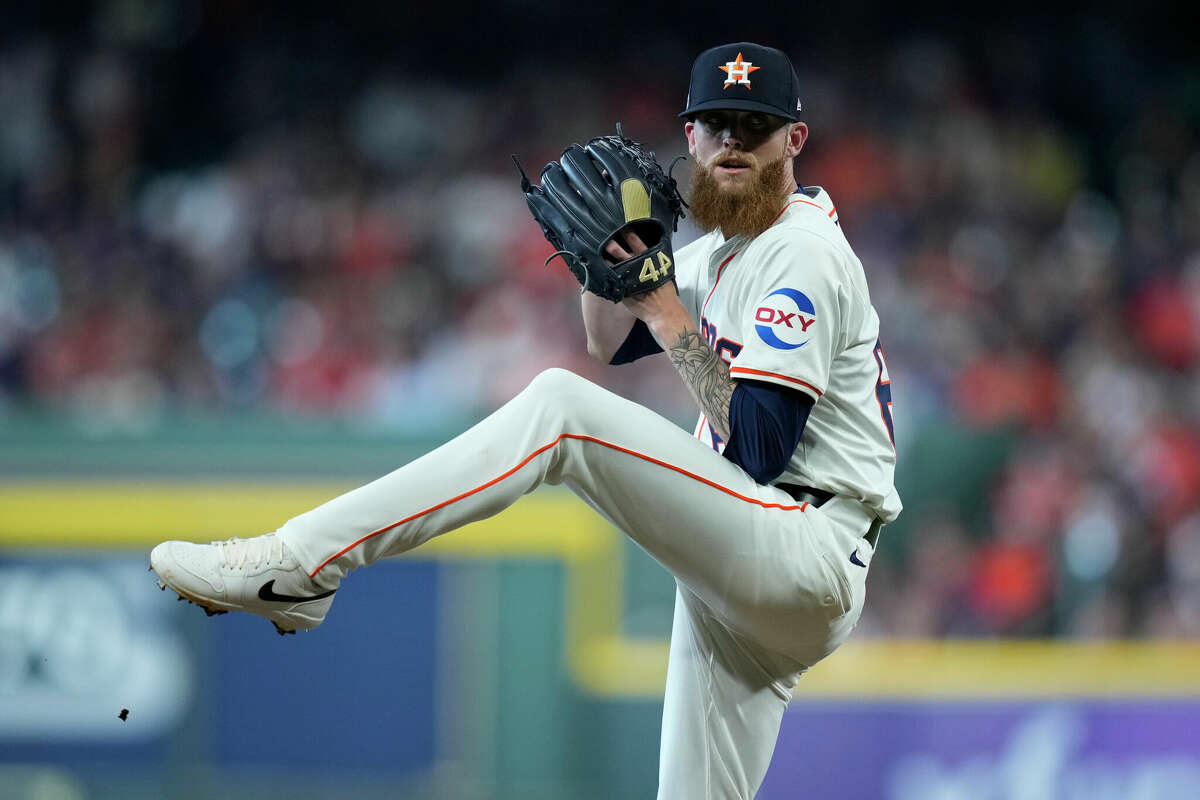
{"type": "Point", "coordinates": [720, 269]}
{"type": "Point", "coordinates": [802, 507]}
{"type": "Point", "coordinates": [748, 371]}
{"type": "Point", "coordinates": [785, 208]}
{"type": "Point", "coordinates": [831, 213]}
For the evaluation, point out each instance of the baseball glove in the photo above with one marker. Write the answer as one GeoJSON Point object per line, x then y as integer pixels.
{"type": "Point", "coordinates": [593, 192]}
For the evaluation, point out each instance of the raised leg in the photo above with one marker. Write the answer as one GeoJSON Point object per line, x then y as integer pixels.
{"type": "Point", "coordinates": [757, 558]}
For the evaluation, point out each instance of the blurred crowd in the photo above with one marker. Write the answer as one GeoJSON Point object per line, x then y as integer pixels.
{"type": "Point", "coordinates": [370, 258]}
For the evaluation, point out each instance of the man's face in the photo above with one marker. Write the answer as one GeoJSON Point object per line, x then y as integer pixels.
{"type": "Point", "coordinates": [742, 169]}
{"type": "Point", "coordinates": [733, 146]}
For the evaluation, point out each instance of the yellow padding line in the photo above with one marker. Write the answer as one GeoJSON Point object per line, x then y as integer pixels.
{"type": "Point", "coordinates": [1006, 669]}
{"type": "Point", "coordinates": [140, 515]}
{"type": "Point", "coordinates": [555, 525]}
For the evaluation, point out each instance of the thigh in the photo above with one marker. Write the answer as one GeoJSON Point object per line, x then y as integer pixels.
{"type": "Point", "coordinates": [751, 552]}
{"type": "Point", "coordinates": [725, 698]}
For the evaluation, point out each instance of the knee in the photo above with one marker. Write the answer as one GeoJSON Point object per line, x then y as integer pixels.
{"type": "Point", "coordinates": [559, 392]}
{"type": "Point", "coordinates": [556, 383]}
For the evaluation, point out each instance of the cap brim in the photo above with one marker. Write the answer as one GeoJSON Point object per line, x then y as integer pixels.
{"type": "Point", "coordinates": [739, 105]}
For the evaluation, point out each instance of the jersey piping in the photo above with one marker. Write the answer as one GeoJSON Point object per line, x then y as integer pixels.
{"type": "Point", "coordinates": [730, 257]}
{"type": "Point", "coordinates": [720, 269]}
{"type": "Point", "coordinates": [788, 378]}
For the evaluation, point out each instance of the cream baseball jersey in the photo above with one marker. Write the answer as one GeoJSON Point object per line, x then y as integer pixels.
{"type": "Point", "coordinates": [791, 307]}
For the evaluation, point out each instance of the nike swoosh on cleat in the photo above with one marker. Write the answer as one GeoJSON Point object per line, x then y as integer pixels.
{"type": "Point", "coordinates": [853, 559]}
{"type": "Point", "coordinates": [267, 592]}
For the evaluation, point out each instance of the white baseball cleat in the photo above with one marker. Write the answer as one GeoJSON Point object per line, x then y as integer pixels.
{"type": "Point", "coordinates": [258, 575]}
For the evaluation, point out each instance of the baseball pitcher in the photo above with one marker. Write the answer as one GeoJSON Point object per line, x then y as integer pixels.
{"type": "Point", "coordinates": [767, 515]}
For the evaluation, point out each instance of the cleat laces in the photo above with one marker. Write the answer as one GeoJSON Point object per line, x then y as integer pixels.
{"type": "Point", "coordinates": [238, 553]}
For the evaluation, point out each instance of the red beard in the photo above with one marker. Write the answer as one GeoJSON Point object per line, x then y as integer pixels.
{"type": "Point", "coordinates": [746, 211]}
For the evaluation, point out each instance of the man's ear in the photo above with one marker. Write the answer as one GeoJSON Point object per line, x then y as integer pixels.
{"type": "Point", "coordinates": [689, 128]}
{"type": "Point", "coordinates": [797, 136]}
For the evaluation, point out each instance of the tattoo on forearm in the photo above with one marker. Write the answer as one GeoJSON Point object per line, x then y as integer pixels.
{"type": "Point", "coordinates": [706, 375]}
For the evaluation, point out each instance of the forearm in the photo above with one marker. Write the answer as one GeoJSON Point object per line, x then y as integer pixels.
{"type": "Point", "coordinates": [607, 325]}
{"type": "Point", "coordinates": [703, 371]}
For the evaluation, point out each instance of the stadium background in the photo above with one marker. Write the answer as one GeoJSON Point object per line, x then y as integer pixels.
{"type": "Point", "coordinates": [252, 254]}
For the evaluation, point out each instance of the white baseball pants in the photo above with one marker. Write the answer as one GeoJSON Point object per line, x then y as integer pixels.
{"type": "Point", "coordinates": [765, 586]}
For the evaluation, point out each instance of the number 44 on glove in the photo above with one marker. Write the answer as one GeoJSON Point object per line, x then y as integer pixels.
{"type": "Point", "coordinates": [594, 192]}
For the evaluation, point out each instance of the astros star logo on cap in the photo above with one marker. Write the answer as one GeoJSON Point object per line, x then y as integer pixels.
{"type": "Point", "coordinates": [737, 71]}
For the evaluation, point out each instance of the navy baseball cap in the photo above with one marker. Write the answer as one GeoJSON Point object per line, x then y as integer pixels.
{"type": "Point", "coordinates": [744, 76]}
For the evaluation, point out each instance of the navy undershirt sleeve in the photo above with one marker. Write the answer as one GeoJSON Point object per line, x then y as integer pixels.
{"type": "Point", "coordinates": [766, 422]}
{"type": "Point", "coordinates": [640, 342]}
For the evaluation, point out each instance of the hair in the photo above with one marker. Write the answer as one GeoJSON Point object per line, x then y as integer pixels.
{"type": "Point", "coordinates": [746, 212]}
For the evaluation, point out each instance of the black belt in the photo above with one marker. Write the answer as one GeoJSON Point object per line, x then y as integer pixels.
{"type": "Point", "coordinates": [819, 497]}
{"type": "Point", "coordinates": [806, 494]}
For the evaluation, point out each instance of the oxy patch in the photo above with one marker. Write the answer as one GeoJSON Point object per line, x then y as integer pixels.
{"type": "Point", "coordinates": [785, 319]}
